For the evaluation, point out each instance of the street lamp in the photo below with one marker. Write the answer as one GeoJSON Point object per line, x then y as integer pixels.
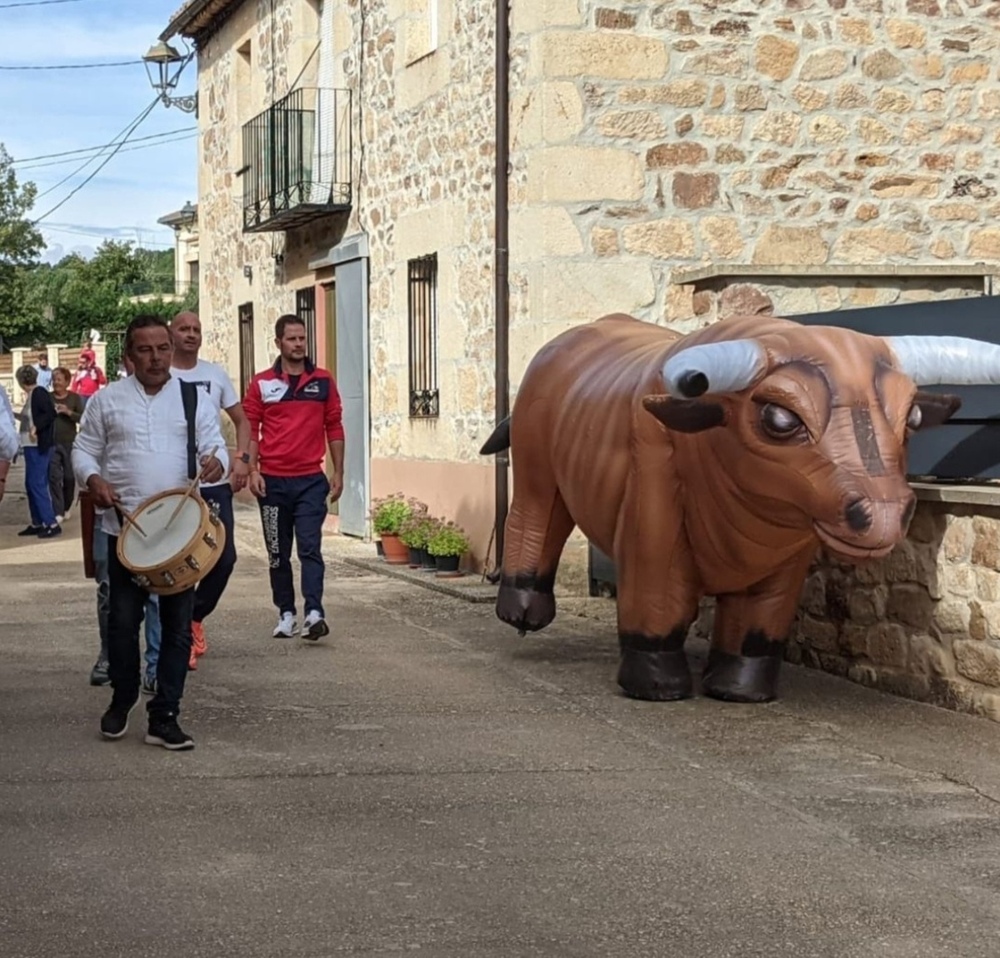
{"type": "Point", "coordinates": [168, 64]}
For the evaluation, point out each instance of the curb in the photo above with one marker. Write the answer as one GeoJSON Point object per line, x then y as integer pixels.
{"type": "Point", "coordinates": [473, 592]}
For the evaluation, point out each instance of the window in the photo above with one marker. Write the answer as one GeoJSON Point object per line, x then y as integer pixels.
{"type": "Point", "coordinates": [423, 317]}
{"type": "Point", "coordinates": [246, 346]}
{"type": "Point", "coordinates": [305, 309]}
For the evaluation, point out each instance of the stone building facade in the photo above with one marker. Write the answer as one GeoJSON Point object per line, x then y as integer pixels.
{"type": "Point", "coordinates": [677, 161]}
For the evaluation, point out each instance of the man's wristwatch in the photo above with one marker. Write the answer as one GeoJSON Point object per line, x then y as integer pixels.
{"type": "Point", "coordinates": [244, 457]}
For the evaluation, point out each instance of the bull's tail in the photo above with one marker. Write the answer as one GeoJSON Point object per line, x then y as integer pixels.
{"type": "Point", "coordinates": [498, 441]}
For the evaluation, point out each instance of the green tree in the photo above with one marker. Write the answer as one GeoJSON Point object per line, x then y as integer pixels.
{"type": "Point", "coordinates": [20, 244]}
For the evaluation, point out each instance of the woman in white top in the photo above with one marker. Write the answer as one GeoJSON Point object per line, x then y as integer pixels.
{"type": "Point", "coordinates": [9, 443]}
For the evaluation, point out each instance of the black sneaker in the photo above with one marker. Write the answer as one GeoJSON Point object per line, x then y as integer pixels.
{"type": "Point", "coordinates": [99, 673]}
{"type": "Point", "coordinates": [31, 531]}
{"type": "Point", "coordinates": [165, 732]}
{"type": "Point", "coordinates": [114, 722]}
{"type": "Point", "coordinates": [49, 532]}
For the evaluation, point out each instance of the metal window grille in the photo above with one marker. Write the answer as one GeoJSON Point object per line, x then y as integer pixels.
{"type": "Point", "coordinates": [305, 309]}
{"type": "Point", "coordinates": [423, 323]}
{"type": "Point", "coordinates": [246, 346]}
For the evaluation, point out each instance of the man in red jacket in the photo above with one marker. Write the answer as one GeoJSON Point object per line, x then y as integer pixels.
{"type": "Point", "coordinates": [294, 412]}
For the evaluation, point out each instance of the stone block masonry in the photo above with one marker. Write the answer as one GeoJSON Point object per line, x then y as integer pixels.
{"type": "Point", "coordinates": [773, 134]}
{"type": "Point", "coordinates": [924, 622]}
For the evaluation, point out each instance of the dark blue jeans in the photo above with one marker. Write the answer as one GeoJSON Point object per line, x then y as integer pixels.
{"type": "Point", "coordinates": [210, 589]}
{"type": "Point", "coordinates": [295, 506]}
{"type": "Point", "coordinates": [126, 604]}
{"type": "Point", "coordinates": [36, 485]}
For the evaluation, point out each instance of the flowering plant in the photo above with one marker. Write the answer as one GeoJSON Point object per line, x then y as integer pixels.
{"type": "Point", "coordinates": [448, 540]}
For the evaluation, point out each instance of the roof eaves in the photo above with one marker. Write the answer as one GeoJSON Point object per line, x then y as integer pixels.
{"type": "Point", "coordinates": [198, 17]}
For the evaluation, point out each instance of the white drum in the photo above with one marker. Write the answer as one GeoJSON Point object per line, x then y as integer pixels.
{"type": "Point", "coordinates": [165, 560]}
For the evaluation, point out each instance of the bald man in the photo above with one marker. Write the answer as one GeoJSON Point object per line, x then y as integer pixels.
{"type": "Point", "coordinates": [212, 378]}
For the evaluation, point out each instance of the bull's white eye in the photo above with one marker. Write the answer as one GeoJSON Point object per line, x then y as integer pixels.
{"type": "Point", "coordinates": [779, 422]}
{"type": "Point", "coordinates": [915, 418]}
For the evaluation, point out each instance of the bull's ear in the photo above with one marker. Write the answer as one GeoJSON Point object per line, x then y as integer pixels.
{"type": "Point", "coordinates": [685, 415]}
{"type": "Point", "coordinates": [935, 408]}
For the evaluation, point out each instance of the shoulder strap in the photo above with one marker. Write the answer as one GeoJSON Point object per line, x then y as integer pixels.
{"type": "Point", "coordinates": [189, 396]}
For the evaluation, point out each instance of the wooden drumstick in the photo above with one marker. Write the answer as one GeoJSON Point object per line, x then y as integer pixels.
{"type": "Point", "coordinates": [189, 490]}
{"type": "Point", "coordinates": [131, 520]}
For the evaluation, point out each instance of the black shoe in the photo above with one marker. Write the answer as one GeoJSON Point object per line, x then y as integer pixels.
{"type": "Point", "coordinates": [165, 732]}
{"type": "Point", "coordinates": [99, 673]}
{"type": "Point", "coordinates": [49, 532]}
{"type": "Point", "coordinates": [114, 722]}
{"type": "Point", "coordinates": [31, 531]}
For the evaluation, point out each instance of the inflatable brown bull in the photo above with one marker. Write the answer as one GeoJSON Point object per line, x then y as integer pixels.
{"type": "Point", "coordinates": [715, 464]}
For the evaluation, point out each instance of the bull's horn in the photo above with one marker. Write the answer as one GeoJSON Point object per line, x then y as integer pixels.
{"type": "Point", "coordinates": [714, 367]}
{"type": "Point", "coordinates": [932, 360]}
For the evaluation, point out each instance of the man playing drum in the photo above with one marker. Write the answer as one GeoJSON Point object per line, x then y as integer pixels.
{"type": "Point", "coordinates": [133, 444]}
{"type": "Point", "coordinates": [213, 380]}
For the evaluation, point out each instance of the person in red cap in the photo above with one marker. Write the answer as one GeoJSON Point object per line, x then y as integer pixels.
{"type": "Point", "coordinates": [89, 377]}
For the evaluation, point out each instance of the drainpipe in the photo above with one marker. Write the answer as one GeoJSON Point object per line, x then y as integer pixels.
{"type": "Point", "coordinates": [501, 281]}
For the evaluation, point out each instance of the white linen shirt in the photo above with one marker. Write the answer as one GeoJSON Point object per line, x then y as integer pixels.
{"type": "Point", "coordinates": [214, 382]}
{"type": "Point", "coordinates": [138, 442]}
{"type": "Point", "coordinates": [10, 442]}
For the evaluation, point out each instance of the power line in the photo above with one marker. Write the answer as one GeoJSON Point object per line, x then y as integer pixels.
{"type": "Point", "coordinates": [103, 146]}
{"type": "Point", "coordinates": [34, 3]}
{"type": "Point", "coordinates": [144, 146]}
{"type": "Point", "coordinates": [142, 116]}
{"type": "Point", "coordinates": [128, 130]}
{"type": "Point", "coordinates": [76, 66]}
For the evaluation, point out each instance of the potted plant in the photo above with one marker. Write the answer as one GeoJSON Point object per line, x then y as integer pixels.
{"type": "Point", "coordinates": [388, 515]}
{"type": "Point", "coordinates": [427, 562]}
{"type": "Point", "coordinates": [414, 532]}
{"type": "Point", "coordinates": [448, 544]}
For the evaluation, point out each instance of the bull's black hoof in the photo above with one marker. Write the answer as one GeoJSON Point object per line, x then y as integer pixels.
{"type": "Point", "coordinates": [661, 676]}
{"type": "Point", "coordinates": [741, 678]}
{"type": "Point", "coordinates": [524, 605]}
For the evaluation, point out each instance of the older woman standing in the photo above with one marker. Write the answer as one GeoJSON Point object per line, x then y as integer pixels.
{"type": "Point", "coordinates": [37, 419]}
{"type": "Point", "coordinates": [69, 409]}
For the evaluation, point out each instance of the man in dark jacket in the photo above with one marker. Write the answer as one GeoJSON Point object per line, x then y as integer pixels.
{"type": "Point", "coordinates": [37, 419]}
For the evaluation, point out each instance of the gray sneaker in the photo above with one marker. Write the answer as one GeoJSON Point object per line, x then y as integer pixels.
{"type": "Point", "coordinates": [148, 684]}
{"type": "Point", "coordinates": [99, 673]}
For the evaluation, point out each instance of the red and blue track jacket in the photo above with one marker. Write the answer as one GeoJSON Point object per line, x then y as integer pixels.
{"type": "Point", "coordinates": [292, 428]}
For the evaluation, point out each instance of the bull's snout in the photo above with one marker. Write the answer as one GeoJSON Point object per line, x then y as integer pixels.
{"type": "Point", "coordinates": [869, 527]}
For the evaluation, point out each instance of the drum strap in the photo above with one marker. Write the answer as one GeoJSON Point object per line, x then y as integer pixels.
{"type": "Point", "coordinates": [189, 396]}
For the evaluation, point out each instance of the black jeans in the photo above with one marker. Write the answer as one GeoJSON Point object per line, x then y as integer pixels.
{"type": "Point", "coordinates": [61, 482]}
{"type": "Point", "coordinates": [209, 590]}
{"type": "Point", "coordinates": [127, 601]}
{"type": "Point", "coordinates": [295, 506]}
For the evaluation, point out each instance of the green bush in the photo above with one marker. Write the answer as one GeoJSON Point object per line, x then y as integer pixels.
{"type": "Point", "coordinates": [448, 540]}
{"type": "Point", "coordinates": [389, 513]}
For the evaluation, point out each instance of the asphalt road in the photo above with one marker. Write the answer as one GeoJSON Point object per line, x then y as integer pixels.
{"type": "Point", "coordinates": [426, 781]}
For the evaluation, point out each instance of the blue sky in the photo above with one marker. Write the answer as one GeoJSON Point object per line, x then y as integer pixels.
{"type": "Point", "coordinates": [51, 111]}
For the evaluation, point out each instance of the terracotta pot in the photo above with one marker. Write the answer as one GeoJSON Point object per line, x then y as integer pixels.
{"type": "Point", "coordinates": [395, 552]}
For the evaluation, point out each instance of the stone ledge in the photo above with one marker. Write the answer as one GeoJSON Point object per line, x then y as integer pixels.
{"type": "Point", "coordinates": [470, 587]}
{"type": "Point", "coordinates": [978, 494]}
{"type": "Point", "coordinates": [696, 274]}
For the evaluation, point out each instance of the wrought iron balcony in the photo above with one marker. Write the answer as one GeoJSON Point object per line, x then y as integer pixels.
{"type": "Point", "coordinates": [297, 160]}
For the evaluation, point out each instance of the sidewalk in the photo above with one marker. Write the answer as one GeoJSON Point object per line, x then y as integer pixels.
{"type": "Point", "coordinates": [426, 781]}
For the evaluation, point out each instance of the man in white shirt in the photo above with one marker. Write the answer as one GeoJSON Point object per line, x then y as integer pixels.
{"type": "Point", "coordinates": [216, 384]}
{"type": "Point", "coordinates": [133, 444]}
{"type": "Point", "coordinates": [9, 440]}
{"type": "Point", "coordinates": [44, 373]}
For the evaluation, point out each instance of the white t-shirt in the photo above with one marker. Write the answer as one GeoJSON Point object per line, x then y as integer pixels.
{"type": "Point", "coordinates": [215, 382]}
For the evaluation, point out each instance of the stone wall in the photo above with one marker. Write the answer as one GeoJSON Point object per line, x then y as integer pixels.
{"type": "Point", "coordinates": [809, 133]}
{"type": "Point", "coordinates": [250, 60]}
{"type": "Point", "coordinates": [923, 622]}
{"type": "Point", "coordinates": [425, 185]}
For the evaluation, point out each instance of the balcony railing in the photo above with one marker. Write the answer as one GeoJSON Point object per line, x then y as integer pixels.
{"type": "Point", "coordinates": [297, 160]}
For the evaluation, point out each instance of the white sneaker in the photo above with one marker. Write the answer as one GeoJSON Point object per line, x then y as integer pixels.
{"type": "Point", "coordinates": [287, 627]}
{"type": "Point", "coordinates": [314, 627]}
